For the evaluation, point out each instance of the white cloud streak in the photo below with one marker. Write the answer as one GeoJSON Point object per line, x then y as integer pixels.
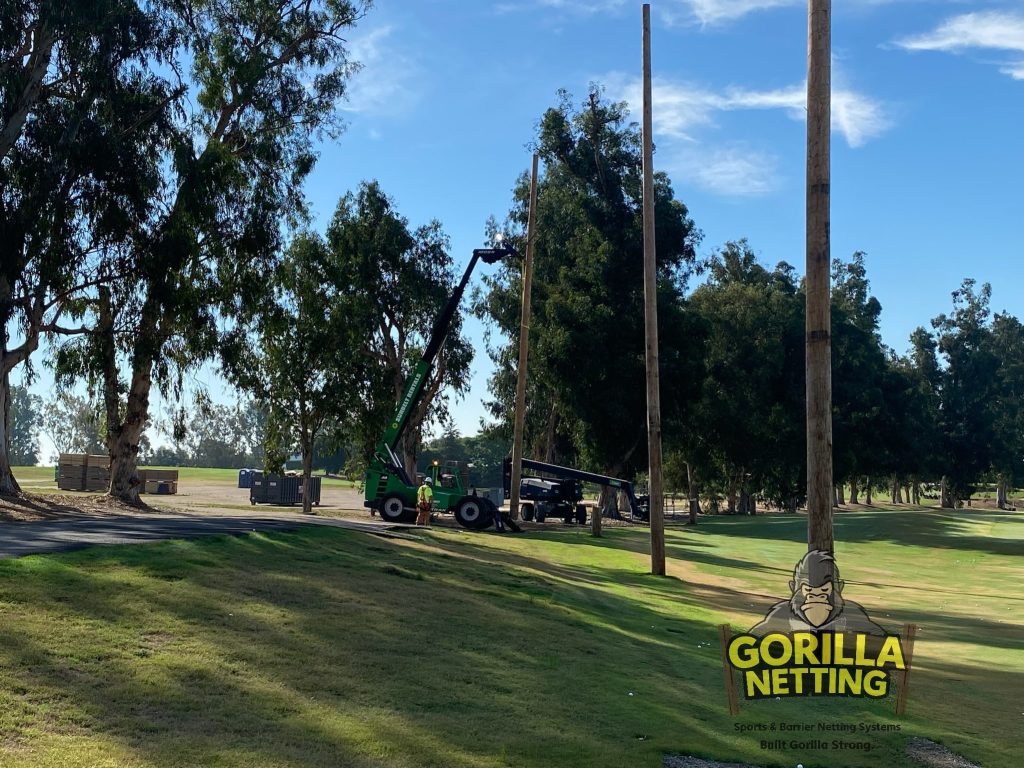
{"type": "Point", "coordinates": [680, 107]}
{"type": "Point", "coordinates": [983, 30]}
{"type": "Point", "coordinates": [736, 171]}
{"type": "Point", "coordinates": [710, 12]}
{"type": "Point", "coordinates": [384, 85]}
{"type": "Point", "coordinates": [1016, 71]}
{"type": "Point", "coordinates": [681, 110]}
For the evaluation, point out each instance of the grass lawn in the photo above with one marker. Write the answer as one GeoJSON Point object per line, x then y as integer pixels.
{"type": "Point", "coordinates": [40, 478]}
{"type": "Point", "coordinates": [335, 648]}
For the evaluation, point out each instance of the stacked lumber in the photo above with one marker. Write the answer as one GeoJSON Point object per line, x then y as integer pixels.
{"type": "Point", "coordinates": [83, 472]}
{"type": "Point", "coordinates": [158, 480]}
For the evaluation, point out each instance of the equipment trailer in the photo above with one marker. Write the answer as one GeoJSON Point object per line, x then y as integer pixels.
{"type": "Point", "coordinates": [560, 497]}
{"type": "Point", "coordinates": [388, 487]}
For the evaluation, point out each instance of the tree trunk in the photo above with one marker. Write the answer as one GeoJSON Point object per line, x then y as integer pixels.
{"type": "Point", "coordinates": [840, 495]}
{"type": "Point", "coordinates": [835, 495]}
{"type": "Point", "coordinates": [730, 496]}
{"type": "Point", "coordinates": [693, 489]}
{"type": "Point", "coordinates": [123, 443]}
{"type": "Point", "coordinates": [894, 490]}
{"type": "Point", "coordinates": [9, 359]}
{"type": "Point", "coordinates": [854, 491]}
{"type": "Point", "coordinates": [867, 491]}
{"type": "Point", "coordinates": [1001, 491]}
{"type": "Point", "coordinates": [307, 471]}
{"type": "Point", "coordinates": [123, 438]}
{"type": "Point", "coordinates": [549, 436]}
{"type": "Point", "coordinates": [409, 447]}
{"type": "Point", "coordinates": [906, 493]}
{"type": "Point", "coordinates": [8, 485]}
{"type": "Point", "coordinates": [915, 490]}
{"type": "Point", "coordinates": [945, 495]}
{"type": "Point", "coordinates": [606, 503]}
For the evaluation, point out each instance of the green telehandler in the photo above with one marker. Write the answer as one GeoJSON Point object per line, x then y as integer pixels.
{"type": "Point", "coordinates": [388, 487]}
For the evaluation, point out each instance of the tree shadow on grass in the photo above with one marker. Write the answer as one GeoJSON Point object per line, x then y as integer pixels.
{"type": "Point", "coordinates": [332, 648]}
{"type": "Point", "coordinates": [390, 672]}
{"type": "Point", "coordinates": [930, 528]}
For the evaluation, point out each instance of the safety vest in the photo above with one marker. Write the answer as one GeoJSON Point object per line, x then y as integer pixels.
{"type": "Point", "coordinates": [426, 494]}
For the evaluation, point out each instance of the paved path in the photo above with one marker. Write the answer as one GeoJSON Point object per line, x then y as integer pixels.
{"type": "Point", "coordinates": [33, 538]}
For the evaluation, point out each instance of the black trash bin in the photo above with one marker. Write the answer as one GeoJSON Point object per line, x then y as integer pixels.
{"type": "Point", "coordinates": [274, 489]}
{"type": "Point", "coordinates": [289, 490]}
{"type": "Point", "coordinates": [314, 489]}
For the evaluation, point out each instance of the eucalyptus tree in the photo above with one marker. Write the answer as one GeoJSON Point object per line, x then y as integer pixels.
{"type": "Point", "coordinates": [747, 414]}
{"type": "Point", "coordinates": [969, 388]}
{"type": "Point", "coordinates": [266, 76]}
{"type": "Point", "coordinates": [81, 113]}
{"type": "Point", "coordinates": [406, 275]}
{"type": "Point", "coordinates": [302, 361]}
{"type": "Point", "coordinates": [1007, 344]}
{"type": "Point", "coordinates": [859, 365]}
{"type": "Point", "coordinates": [586, 394]}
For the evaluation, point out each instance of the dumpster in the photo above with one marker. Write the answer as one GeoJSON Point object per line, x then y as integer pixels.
{"type": "Point", "coordinates": [274, 489]}
{"type": "Point", "coordinates": [258, 487]}
{"type": "Point", "coordinates": [314, 489]}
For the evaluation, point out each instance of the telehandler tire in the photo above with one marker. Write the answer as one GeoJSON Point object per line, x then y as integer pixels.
{"type": "Point", "coordinates": [472, 512]}
{"type": "Point", "coordinates": [393, 510]}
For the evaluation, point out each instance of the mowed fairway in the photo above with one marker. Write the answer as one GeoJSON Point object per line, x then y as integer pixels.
{"type": "Point", "coordinates": [335, 648]}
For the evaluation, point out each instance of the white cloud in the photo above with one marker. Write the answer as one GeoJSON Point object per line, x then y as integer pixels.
{"type": "Point", "coordinates": [578, 7]}
{"type": "Point", "coordinates": [671, 12]}
{"type": "Point", "coordinates": [984, 30]}
{"type": "Point", "coordinates": [679, 108]}
{"type": "Point", "coordinates": [709, 12]}
{"type": "Point", "coordinates": [1016, 71]}
{"type": "Point", "coordinates": [734, 171]}
{"type": "Point", "coordinates": [384, 85]}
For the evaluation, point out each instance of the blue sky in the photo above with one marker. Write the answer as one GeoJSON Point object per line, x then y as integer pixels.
{"type": "Point", "coordinates": [928, 101]}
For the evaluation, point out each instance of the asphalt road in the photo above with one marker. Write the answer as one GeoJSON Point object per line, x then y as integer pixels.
{"type": "Point", "coordinates": [39, 537]}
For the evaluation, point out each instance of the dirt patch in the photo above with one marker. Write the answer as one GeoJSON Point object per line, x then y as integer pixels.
{"type": "Point", "coordinates": [684, 761]}
{"type": "Point", "coordinates": [934, 755]}
{"type": "Point", "coordinates": [50, 506]}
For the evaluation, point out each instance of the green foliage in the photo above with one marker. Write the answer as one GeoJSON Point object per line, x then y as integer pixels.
{"type": "Point", "coordinates": [405, 277]}
{"type": "Point", "coordinates": [267, 76]}
{"type": "Point", "coordinates": [74, 424]}
{"type": "Point", "coordinates": [25, 423]}
{"type": "Point", "coordinates": [980, 386]}
{"type": "Point", "coordinates": [485, 451]}
{"type": "Point", "coordinates": [222, 435]}
{"type": "Point", "coordinates": [746, 431]}
{"type": "Point", "coordinates": [586, 399]}
{"type": "Point", "coordinates": [298, 364]}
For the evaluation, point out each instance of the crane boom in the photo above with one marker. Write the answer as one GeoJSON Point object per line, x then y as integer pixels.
{"type": "Point", "coordinates": [385, 456]}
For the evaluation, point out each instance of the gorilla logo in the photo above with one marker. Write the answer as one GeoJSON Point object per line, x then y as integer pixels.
{"type": "Point", "coordinates": [816, 603]}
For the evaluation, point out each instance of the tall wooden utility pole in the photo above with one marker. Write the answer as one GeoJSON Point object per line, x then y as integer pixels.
{"type": "Point", "coordinates": [651, 325]}
{"type": "Point", "coordinates": [819, 344]}
{"type": "Point", "coordinates": [524, 352]}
